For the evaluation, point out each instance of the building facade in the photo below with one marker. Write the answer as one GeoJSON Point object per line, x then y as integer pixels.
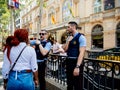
{"type": "Point", "coordinates": [99, 20]}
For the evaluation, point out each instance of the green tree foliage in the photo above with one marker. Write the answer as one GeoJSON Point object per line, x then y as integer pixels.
{"type": "Point", "coordinates": [4, 20]}
{"type": "Point", "coordinates": [4, 13]}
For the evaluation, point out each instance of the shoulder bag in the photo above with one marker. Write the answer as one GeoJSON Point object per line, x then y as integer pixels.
{"type": "Point", "coordinates": [6, 80]}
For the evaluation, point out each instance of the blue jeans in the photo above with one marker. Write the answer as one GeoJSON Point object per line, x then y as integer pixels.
{"type": "Point", "coordinates": [20, 81]}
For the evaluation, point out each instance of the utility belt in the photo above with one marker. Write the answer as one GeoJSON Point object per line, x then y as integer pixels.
{"type": "Point", "coordinates": [72, 58]}
{"type": "Point", "coordinates": [22, 71]}
{"type": "Point", "coordinates": [43, 60]}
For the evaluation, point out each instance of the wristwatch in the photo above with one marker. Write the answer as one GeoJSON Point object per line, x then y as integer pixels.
{"type": "Point", "coordinates": [38, 44]}
{"type": "Point", "coordinates": [77, 66]}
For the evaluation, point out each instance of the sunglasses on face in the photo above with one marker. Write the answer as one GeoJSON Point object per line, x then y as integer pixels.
{"type": "Point", "coordinates": [42, 33]}
{"type": "Point", "coordinates": [68, 26]}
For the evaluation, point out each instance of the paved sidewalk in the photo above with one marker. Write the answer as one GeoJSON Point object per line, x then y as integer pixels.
{"type": "Point", "coordinates": [1, 56]}
{"type": "Point", "coordinates": [1, 79]}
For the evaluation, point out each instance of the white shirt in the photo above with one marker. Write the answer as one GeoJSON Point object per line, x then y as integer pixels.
{"type": "Point", "coordinates": [27, 60]}
{"type": "Point", "coordinates": [56, 47]}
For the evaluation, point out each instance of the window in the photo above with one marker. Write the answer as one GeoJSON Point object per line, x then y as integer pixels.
{"type": "Point", "coordinates": [109, 4]}
{"type": "Point", "coordinates": [67, 10]}
{"type": "Point", "coordinates": [97, 6]}
{"type": "Point", "coordinates": [97, 37]}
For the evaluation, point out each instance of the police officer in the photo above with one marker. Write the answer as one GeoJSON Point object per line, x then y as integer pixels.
{"type": "Point", "coordinates": [75, 47]}
{"type": "Point", "coordinates": [42, 49]}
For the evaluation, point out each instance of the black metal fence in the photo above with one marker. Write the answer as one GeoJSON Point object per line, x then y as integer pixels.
{"type": "Point", "coordinates": [56, 68]}
{"type": "Point", "coordinates": [101, 74]}
{"type": "Point", "coordinates": [98, 74]}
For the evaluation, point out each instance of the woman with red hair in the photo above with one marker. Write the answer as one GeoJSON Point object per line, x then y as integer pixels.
{"type": "Point", "coordinates": [8, 45]}
{"type": "Point", "coordinates": [21, 76]}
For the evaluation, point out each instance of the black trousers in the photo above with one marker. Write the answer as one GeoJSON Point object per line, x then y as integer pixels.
{"type": "Point", "coordinates": [41, 75]}
{"type": "Point", "coordinates": [73, 82]}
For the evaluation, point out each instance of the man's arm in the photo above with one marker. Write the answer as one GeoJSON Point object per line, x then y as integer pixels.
{"type": "Point", "coordinates": [46, 49]}
{"type": "Point", "coordinates": [82, 48]}
{"type": "Point", "coordinates": [81, 55]}
{"type": "Point", "coordinates": [79, 61]}
{"type": "Point", "coordinates": [65, 46]}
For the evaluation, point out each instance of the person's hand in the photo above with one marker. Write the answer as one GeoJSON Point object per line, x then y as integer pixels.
{"type": "Point", "coordinates": [61, 50]}
{"type": "Point", "coordinates": [76, 71]}
{"type": "Point", "coordinates": [36, 83]}
{"type": "Point", "coordinates": [4, 86]}
{"type": "Point", "coordinates": [69, 38]}
{"type": "Point", "coordinates": [38, 42]}
{"type": "Point", "coordinates": [5, 83]}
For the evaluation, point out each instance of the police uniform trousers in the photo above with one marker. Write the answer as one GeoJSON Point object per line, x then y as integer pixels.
{"type": "Point", "coordinates": [41, 75]}
{"type": "Point", "coordinates": [74, 82]}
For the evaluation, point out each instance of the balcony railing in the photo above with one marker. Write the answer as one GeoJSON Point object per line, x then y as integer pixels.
{"type": "Point", "coordinates": [109, 14]}
{"type": "Point", "coordinates": [98, 74]}
{"type": "Point", "coordinates": [101, 15]}
{"type": "Point", "coordinates": [96, 17]}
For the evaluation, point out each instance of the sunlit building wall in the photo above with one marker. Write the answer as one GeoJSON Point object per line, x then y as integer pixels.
{"type": "Point", "coordinates": [99, 20]}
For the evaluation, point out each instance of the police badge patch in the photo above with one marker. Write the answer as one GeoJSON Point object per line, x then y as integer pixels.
{"type": "Point", "coordinates": [74, 42]}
